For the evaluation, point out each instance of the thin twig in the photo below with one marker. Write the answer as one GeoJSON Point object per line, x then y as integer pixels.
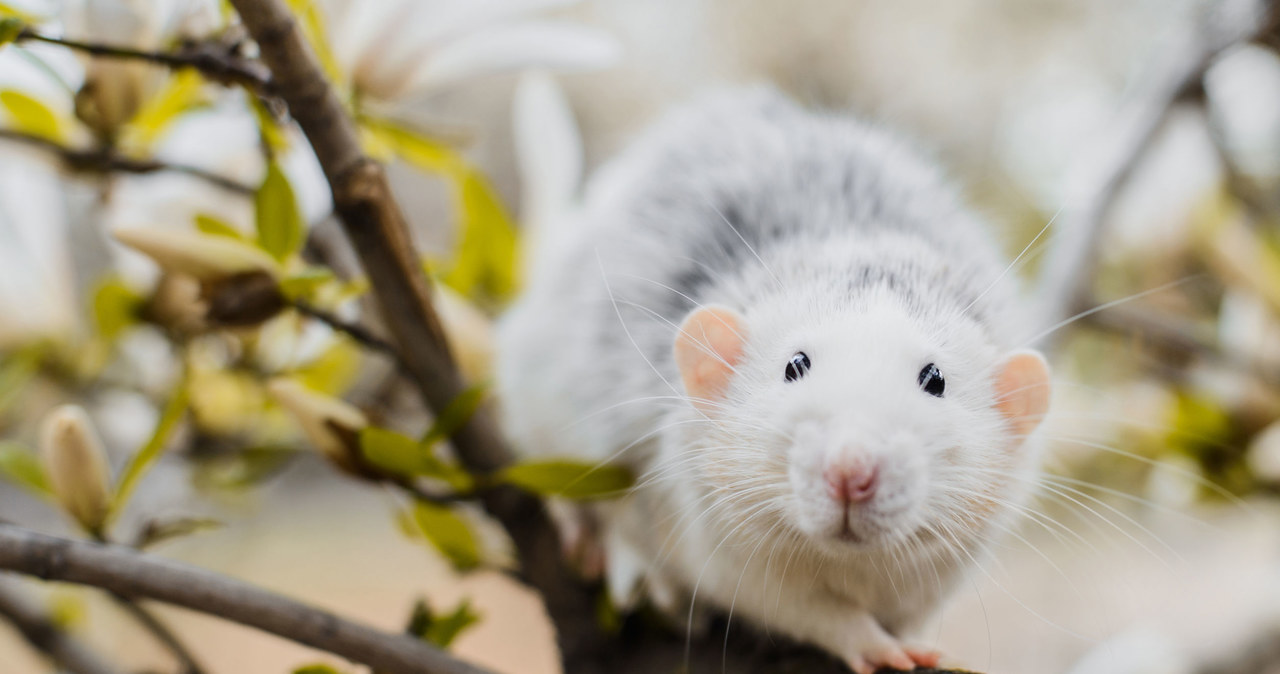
{"type": "Point", "coordinates": [67, 652]}
{"type": "Point", "coordinates": [1066, 282]}
{"type": "Point", "coordinates": [214, 61]}
{"type": "Point", "coordinates": [353, 330]}
{"type": "Point", "coordinates": [130, 573]}
{"type": "Point", "coordinates": [161, 632]}
{"type": "Point", "coordinates": [107, 161]}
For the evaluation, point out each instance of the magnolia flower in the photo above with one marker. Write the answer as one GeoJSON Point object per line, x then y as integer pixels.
{"type": "Point", "coordinates": [331, 424]}
{"type": "Point", "coordinates": [76, 465]}
{"type": "Point", "coordinates": [402, 48]}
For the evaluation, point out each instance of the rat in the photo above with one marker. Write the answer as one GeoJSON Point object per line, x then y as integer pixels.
{"type": "Point", "coordinates": [793, 330]}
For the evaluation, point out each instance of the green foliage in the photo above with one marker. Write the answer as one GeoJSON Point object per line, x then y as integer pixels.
{"type": "Point", "coordinates": [142, 461]}
{"type": "Point", "coordinates": [333, 371]}
{"type": "Point", "coordinates": [455, 415]}
{"type": "Point", "coordinates": [244, 469]}
{"type": "Point", "coordinates": [400, 455]}
{"type": "Point", "coordinates": [568, 479]}
{"type": "Point", "coordinates": [280, 227]}
{"type": "Point", "coordinates": [10, 28]}
{"type": "Point", "coordinates": [159, 531]}
{"type": "Point", "coordinates": [21, 466]}
{"type": "Point", "coordinates": [116, 307]}
{"type": "Point", "coordinates": [485, 261]}
{"type": "Point", "coordinates": [448, 532]}
{"type": "Point", "coordinates": [306, 282]}
{"type": "Point", "coordinates": [182, 93]}
{"type": "Point", "coordinates": [16, 371]}
{"type": "Point", "coordinates": [213, 225]}
{"type": "Point", "coordinates": [441, 630]}
{"type": "Point", "coordinates": [317, 669]}
{"type": "Point", "coordinates": [31, 116]}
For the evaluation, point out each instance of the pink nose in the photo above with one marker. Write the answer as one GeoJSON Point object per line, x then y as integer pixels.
{"type": "Point", "coordinates": [852, 483]}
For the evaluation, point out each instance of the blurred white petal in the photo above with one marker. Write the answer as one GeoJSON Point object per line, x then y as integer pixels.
{"type": "Point", "coordinates": [548, 149]}
{"type": "Point", "coordinates": [547, 44]}
{"type": "Point", "coordinates": [37, 297]}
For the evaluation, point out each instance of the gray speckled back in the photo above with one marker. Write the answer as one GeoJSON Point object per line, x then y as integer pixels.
{"type": "Point", "coordinates": [739, 199]}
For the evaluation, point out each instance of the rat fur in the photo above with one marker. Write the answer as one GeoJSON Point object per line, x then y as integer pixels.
{"type": "Point", "coordinates": [656, 330]}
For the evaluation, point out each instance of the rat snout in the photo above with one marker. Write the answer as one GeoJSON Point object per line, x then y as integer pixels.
{"type": "Point", "coordinates": [851, 480]}
{"type": "Point", "coordinates": [851, 477]}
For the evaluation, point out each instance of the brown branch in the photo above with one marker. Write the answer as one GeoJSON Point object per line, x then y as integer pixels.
{"type": "Point", "coordinates": [107, 161]}
{"type": "Point", "coordinates": [43, 635]}
{"type": "Point", "coordinates": [355, 331]}
{"type": "Point", "coordinates": [215, 61]}
{"type": "Point", "coordinates": [1066, 282]}
{"type": "Point", "coordinates": [377, 230]}
{"type": "Point", "coordinates": [126, 572]}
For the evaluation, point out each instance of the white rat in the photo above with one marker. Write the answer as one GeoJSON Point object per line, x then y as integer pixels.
{"type": "Point", "coordinates": [788, 324]}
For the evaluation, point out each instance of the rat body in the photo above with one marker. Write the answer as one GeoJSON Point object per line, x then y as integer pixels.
{"type": "Point", "coordinates": [791, 329]}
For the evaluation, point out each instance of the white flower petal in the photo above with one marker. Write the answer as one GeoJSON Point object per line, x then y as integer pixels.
{"type": "Point", "coordinates": [548, 149]}
{"type": "Point", "coordinates": [548, 44]}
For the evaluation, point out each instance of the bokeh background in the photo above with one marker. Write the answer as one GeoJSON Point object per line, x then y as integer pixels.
{"type": "Point", "coordinates": [1156, 544]}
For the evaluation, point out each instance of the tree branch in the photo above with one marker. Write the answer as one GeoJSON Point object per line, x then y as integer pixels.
{"type": "Point", "coordinates": [373, 222]}
{"type": "Point", "coordinates": [106, 161]}
{"type": "Point", "coordinates": [355, 331]}
{"type": "Point", "coordinates": [64, 650]}
{"type": "Point", "coordinates": [129, 573]}
{"type": "Point", "coordinates": [214, 61]}
{"type": "Point", "coordinates": [1066, 282]}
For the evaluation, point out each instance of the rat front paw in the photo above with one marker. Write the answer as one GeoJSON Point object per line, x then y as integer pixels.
{"type": "Point", "coordinates": [893, 657]}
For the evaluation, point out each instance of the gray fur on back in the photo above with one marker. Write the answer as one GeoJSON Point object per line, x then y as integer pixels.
{"type": "Point", "coordinates": [832, 207]}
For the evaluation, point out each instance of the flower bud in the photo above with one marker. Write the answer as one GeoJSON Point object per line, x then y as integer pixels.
{"type": "Point", "coordinates": [205, 256]}
{"type": "Point", "coordinates": [76, 465]}
{"type": "Point", "coordinates": [331, 424]}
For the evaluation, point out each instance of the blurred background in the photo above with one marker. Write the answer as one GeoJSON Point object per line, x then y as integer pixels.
{"type": "Point", "coordinates": [1155, 546]}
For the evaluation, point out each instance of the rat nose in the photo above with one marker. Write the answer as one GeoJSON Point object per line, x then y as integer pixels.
{"type": "Point", "coordinates": [852, 483]}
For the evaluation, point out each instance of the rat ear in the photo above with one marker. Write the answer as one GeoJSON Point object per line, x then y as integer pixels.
{"type": "Point", "coordinates": [707, 348]}
{"type": "Point", "coordinates": [1022, 390]}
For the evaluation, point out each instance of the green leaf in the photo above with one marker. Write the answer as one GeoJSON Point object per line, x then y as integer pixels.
{"type": "Point", "coordinates": [21, 466]}
{"type": "Point", "coordinates": [16, 371]}
{"type": "Point", "coordinates": [213, 225]}
{"type": "Point", "coordinates": [182, 93]}
{"type": "Point", "coordinates": [10, 28]}
{"type": "Point", "coordinates": [568, 479]}
{"type": "Point", "coordinates": [159, 531]}
{"type": "Point", "coordinates": [280, 227]}
{"type": "Point", "coordinates": [244, 469]}
{"type": "Point", "coordinates": [398, 454]}
{"type": "Point", "coordinates": [486, 256]}
{"type": "Point", "coordinates": [116, 307]}
{"type": "Point", "coordinates": [317, 669]}
{"type": "Point", "coordinates": [305, 283]}
{"type": "Point", "coordinates": [147, 455]}
{"type": "Point", "coordinates": [311, 18]}
{"type": "Point", "coordinates": [485, 262]}
{"type": "Point", "coordinates": [31, 116]}
{"type": "Point", "coordinates": [449, 533]}
{"type": "Point", "coordinates": [455, 415]}
{"type": "Point", "coordinates": [441, 631]}
{"type": "Point", "coordinates": [333, 371]}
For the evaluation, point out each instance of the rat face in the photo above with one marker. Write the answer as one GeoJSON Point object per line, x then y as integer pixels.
{"type": "Point", "coordinates": [868, 426]}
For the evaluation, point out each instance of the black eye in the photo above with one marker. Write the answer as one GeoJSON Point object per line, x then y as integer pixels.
{"type": "Point", "coordinates": [798, 366]}
{"type": "Point", "coordinates": [931, 380]}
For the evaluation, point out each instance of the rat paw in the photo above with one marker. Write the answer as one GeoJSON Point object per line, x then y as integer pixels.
{"type": "Point", "coordinates": [891, 656]}
{"type": "Point", "coordinates": [923, 657]}
{"type": "Point", "coordinates": [581, 540]}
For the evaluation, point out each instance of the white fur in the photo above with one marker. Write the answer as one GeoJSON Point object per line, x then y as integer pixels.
{"type": "Point", "coordinates": [828, 237]}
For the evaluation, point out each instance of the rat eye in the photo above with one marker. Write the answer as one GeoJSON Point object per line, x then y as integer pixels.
{"type": "Point", "coordinates": [931, 380]}
{"type": "Point", "coordinates": [798, 366]}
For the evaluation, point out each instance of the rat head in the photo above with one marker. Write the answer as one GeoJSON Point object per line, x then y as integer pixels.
{"type": "Point", "coordinates": [863, 425]}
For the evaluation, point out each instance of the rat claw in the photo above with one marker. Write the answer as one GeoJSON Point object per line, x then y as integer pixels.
{"type": "Point", "coordinates": [923, 656]}
{"type": "Point", "coordinates": [861, 666]}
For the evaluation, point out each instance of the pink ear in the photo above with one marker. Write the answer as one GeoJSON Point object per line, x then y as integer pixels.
{"type": "Point", "coordinates": [1022, 390]}
{"type": "Point", "coordinates": [707, 348]}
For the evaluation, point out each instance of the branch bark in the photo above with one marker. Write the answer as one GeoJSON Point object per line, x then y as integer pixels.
{"type": "Point", "coordinates": [105, 161]}
{"type": "Point", "coordinates": [132, 574]}
{"type": "Point", "coordinates": [1066, 282]}
{"type": "Point", "coordinates": [214, 61]}
{"type": "Point", "coordinates": [61, 648]}
{"type": "Point", "coordinates": [373, 222]}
